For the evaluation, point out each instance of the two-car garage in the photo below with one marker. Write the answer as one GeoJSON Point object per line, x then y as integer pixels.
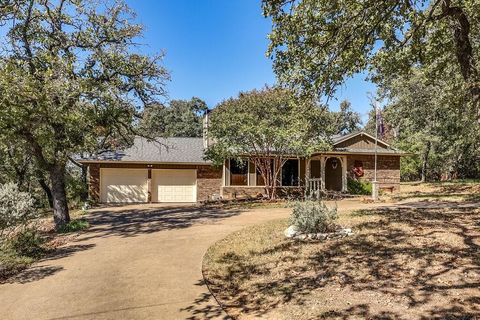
{"type": "Point", "coordinates": [133, 185]}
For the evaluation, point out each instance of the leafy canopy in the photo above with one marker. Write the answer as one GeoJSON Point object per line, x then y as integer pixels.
{"type": "Point", "coordinates": [267, 126]}
{"type": "Point", "coordinates": [69, 74]}
{"type": "Point", "coordinates": [267, 122]}
{"type": "Point", "coordinates": [181, 118]}
{"type": "Point", "coordinates": [346, 120]}
{"type": "Point", "coordinates": [431, 120]}
{"type": "Point", "coordinates": [317, 44]}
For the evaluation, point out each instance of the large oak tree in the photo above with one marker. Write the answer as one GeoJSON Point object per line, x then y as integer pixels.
{"type": "Point", "coordinates": [317, 44]}
{"type": "Point", "coordinates": [267, 127]}
{"type": "Point", "coordinates": [70, 73]}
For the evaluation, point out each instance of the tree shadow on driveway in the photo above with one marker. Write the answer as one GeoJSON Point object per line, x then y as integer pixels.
{"type": "Point", "coordinates": [42, 268]}
{"type": "Point", "coordinates": [134, 221]}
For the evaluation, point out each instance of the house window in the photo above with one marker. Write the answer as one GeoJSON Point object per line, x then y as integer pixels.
{"type": "Point", "coordinates": [238, 173]}
{"type": "Point", "coordinates": [290, 173]}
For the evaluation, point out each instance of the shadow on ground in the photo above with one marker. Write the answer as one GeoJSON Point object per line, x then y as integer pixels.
{"type": "Point", "coordinates": [130, 222]}
{"type": "Point", "coordinates": [204, 307]}
{"type": "Point", "coordinates": [123, 222]}
{"type": "Point", "coordinates": [414, 261]}
{"type": "Point", "coordinates": [42, 269]}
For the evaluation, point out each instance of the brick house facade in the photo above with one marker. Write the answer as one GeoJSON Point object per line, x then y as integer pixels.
{"type": "Point", "coordinates": [147, 173]}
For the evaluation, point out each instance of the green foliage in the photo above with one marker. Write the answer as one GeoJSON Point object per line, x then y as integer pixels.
{"type": "Point", "coordinates": [346, 120]}
{"type": "Point", "coordinates": [360, 187]}
{"type": "Point", "coordinates": [76, 188]}
{"type": "Point", "coordinates": [20, 251]}
{"type": "Point", "coordinates": [432, 120]}
{"type": "Point", "coordinates": [317, 44]}
{"type": "Point", "coordinates": [78, 76]}
{"type": "Point", "coordinates": [267, 125]}
{"type": "Point", "coordinates": [16, 208]}
{"type": "Point", "coordinates": [28, 243]}
{"type": "Point", "coordinates": [74, 226]}
{"type": "Point", "coordinates": [313, 217]}
{"type": "Point", "coordinates": [181, 118]}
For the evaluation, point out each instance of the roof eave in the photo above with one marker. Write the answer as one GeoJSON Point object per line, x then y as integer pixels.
{"type": "Point", "coordinates": [143, 162]}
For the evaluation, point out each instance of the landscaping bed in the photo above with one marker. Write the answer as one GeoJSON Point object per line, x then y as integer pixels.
{"type": "Point", "coordinates": [400, 263]}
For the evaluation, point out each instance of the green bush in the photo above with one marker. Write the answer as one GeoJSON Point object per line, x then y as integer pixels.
{"type": "Point", "coordinates": [74, 225]}
{"type": "Point", "coordinates": [76, 189]}
{"type": "Point", "coordinates": [313, 217]}
{"type": "Point", "coordinates": [16, 209]}
{"type": "Point", "coordinates": [10, 263]}
{"type": "Point", "coordinates": [27, 243]}
{"type": "Point", "coordinates": [20, 251]}
{"type": "Point", "coordinates": [359, 187]}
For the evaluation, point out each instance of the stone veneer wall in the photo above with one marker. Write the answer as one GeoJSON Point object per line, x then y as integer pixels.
{"type": "Point", "coordinates": [242, 192]}
{"type": "Point", "coordinates": [94, 182]}
{"type": "Point", "coordinates": [209, 182]}
{"type": "Point", "coordinates": [234, 192]}
{"type": "Point", "coordinates": [388, 169]}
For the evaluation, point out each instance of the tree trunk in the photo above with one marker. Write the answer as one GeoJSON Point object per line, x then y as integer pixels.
{"type": "Point", "coordinates": [60, 206]}
{"type": "Point", "coordinates": [47, 191]}
{"type": "Point", "coordinates": [425, 161]}
{"type": "Point", "coordinates": [463, 49]}
{"type": "Point", "coordinates": [84, 194]}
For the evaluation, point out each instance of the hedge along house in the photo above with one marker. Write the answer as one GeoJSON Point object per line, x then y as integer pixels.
{"type": "Point", "coordinates": [174, 170]}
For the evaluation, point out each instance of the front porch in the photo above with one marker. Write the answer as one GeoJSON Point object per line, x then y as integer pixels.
{"type": "Point", "coordinates": [319, 173]}
{"type": "Point", "coordinates": [326, 173]}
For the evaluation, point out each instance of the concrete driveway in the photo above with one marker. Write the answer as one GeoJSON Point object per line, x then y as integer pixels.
{"type": "Point", "coordinates": [135, 262]}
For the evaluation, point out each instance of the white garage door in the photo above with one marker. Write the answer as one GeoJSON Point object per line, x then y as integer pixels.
{"type": "Point", "coordinates": [123, 185]}
{"type": "Point", "coordinates": [169, 185]}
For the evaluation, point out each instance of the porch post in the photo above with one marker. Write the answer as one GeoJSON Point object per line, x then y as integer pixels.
{"type": "Point", "coordinates": [307, 170]}
{"type": "Point", "coordinates": [344, 173]}
{"type": "Point", "coordinates": [323, 159]}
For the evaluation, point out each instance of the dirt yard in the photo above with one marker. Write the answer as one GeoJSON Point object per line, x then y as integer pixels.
{"type": "Point", "coordinates": [416, 260]}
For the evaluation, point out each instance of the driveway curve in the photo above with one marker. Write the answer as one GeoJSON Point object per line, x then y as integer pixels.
{"type": "Point", "coordinates": [135, 262]}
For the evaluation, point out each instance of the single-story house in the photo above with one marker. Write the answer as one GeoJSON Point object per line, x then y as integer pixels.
{"type": "Point", "coordinates": [174, 170]}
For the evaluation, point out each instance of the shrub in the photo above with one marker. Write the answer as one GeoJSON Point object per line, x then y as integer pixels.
{"type": "Point", "coordinates": [16, 208]}
{"type": "Point", "coordinates": [74, 225]}
{"type": "Point", "coordinates": [11, 264]}
{"type": "Point", "coordinates": [27, 243]}
{"type": "Point", "coordinates": [20, 251]}
{"type": "Point", "coordinates": [359, 187]}
{"type": "Point", "coordinates": [313, 217]}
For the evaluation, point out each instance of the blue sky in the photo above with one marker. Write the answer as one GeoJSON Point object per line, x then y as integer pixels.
{"type": "Point", "coordinates": [216, 48]}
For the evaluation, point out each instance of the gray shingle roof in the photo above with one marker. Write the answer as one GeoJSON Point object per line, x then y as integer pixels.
{"type": "Point", "coordinates": [187, 150]}
{"type": "Point", "coordinates": [165, 150]}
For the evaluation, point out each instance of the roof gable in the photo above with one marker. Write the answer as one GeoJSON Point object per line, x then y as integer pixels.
{"type": "Point", "coordinates": [359, 140]}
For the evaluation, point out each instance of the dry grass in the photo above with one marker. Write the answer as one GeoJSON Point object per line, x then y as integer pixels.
{"type": "Point", "coordinates": [439, 191]}
{"type": "Point", "coordinates": [403, 263]}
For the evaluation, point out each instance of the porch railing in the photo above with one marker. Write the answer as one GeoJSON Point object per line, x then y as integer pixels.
{"type": "Point", "coordinates": [314, 188]}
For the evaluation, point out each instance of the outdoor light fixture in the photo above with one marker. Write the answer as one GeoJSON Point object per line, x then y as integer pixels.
{"type": "Point", "coordinates": [334, 163]}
